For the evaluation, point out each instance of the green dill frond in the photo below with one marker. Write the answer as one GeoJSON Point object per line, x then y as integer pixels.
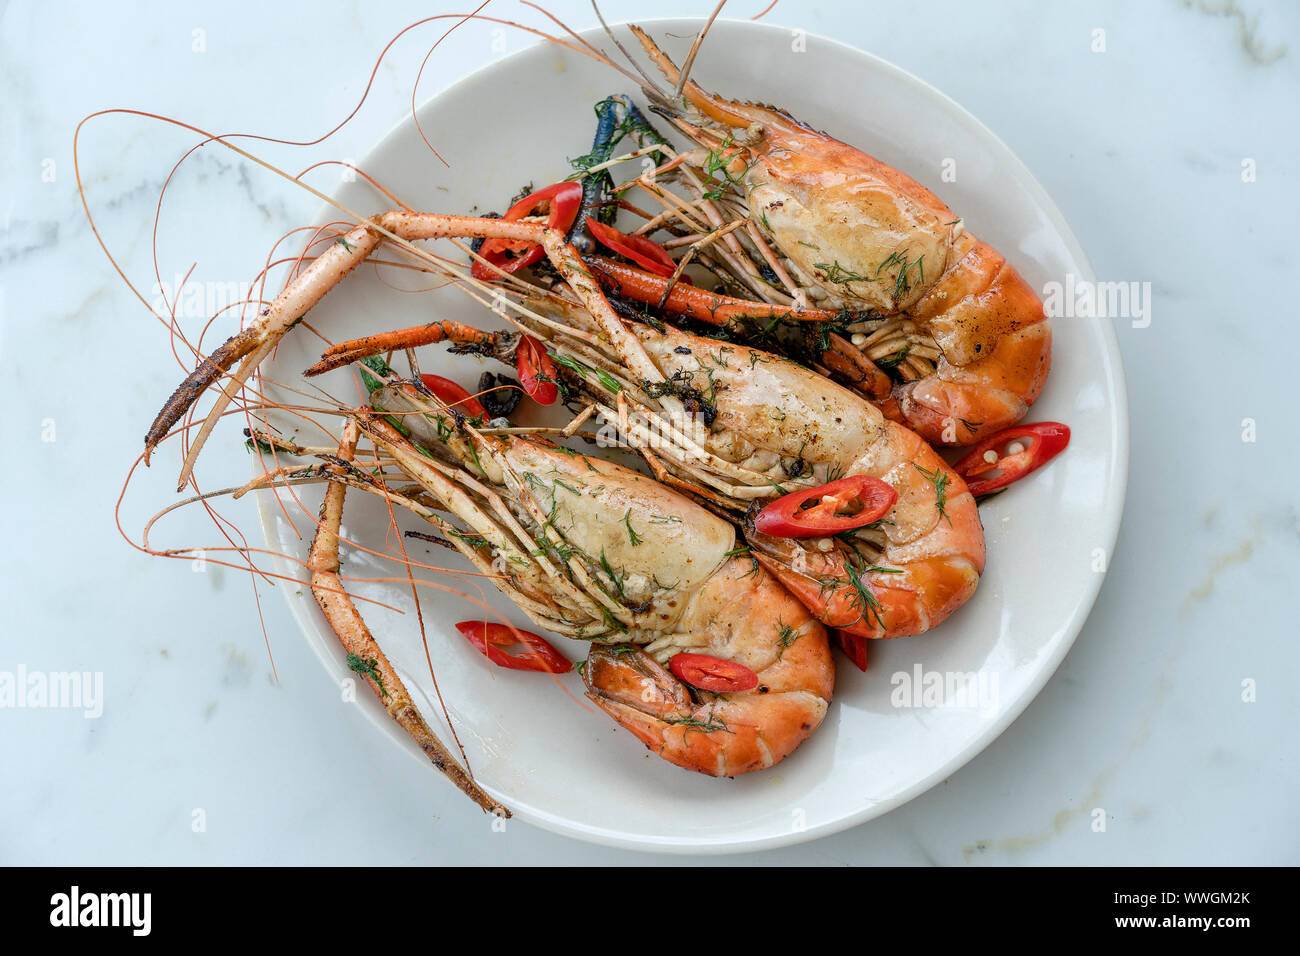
{"type": "Point", "coordinates": [704, 726]}
{"type": "Point", "coordinates": [786, 636]}
{"type": "Point", "coordinates": [940, 481]}
{"type": "Point", "coordinates": [635, 538]}
{"type": "Point", "coordinates": [368, 667]}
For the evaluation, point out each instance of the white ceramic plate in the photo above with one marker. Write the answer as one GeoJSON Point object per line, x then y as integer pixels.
{"type": "Point", "coordinates": [568, 768]}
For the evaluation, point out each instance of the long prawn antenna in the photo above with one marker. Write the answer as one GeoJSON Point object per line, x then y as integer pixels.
{"type": "Point", "coordinates": [648, 86]}
{"type": "Point", "coordinates": [695, 48]}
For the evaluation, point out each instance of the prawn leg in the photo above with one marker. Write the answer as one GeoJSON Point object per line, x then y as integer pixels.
{"type": "Point", "coordinates": [647, 288]}
{"type": "Point", "coordinates": [650, 289]}
{"type": "Point", "coordinates": [464, 337]}
{"type": "Point", "coordinates": [250, 346]}
{"type": "Point", "coordinates": [352, 632]}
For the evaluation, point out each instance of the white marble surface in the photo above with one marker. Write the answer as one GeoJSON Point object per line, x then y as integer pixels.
{"type": "Point", "coordinates": [1142, 146]}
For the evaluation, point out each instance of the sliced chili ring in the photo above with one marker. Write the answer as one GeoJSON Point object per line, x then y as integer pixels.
{"type": "Point", "coordinates": [992, 464]}
{"type": "Point", "coordinates": [452, 394]}
{"type": "Point", "coordinates": [854, 647]}
{"type": "Point", "coordinates": [514, 648]}
{"type": "Point", "coordinates": [712, 673]}
{"type": "Point", "coordinates": [536, 371]}
{"type": "Point", "coordinates": [644, 252]}
{"type": "Point", "coordinates": [815, 512]}
{"type": "Point", "coordinates": [563, 200]}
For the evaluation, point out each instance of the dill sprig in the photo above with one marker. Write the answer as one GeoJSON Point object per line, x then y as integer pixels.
{"type": "Point", "coordinates": [694, 723]}
{"type": "Point", "coordinates": [889, 361]}
{"type": "Point", "coordinates": [609, 382]}
{"type": "Point", "coordinates": [473, 540]}
{"type": "Point", "coordinates": [736, 552]}
{"type": "Point", "coordinates": [261, 445]}
{"type": "Point", "coordinates": [717, 161]}
{"type": "Point", "coordinates": [863, 599]}
{"type": "Point", "coordinates": [836, 274]}
{"type": "Point", "coordinates": [609, 572]}
{"type": "Point", "coordinates": [568, 487]}
{"type": "Point", "coordinates": [940, 482]}
{"type": "Point", "coordinates": [368, 667]}
{"type": "Point", "coordinates": [787, 636]}
{"type": "Point", "coordinates": [635, 538]}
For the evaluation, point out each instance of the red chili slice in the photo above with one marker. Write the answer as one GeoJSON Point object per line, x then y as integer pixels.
{"type": "Point", "coordinates": [455, 396]}
{"type": "Point", "coordinates": [855, 647]}
{"type": "Point", "coordinates": [644, 252]}
{"type": "Point", "coordinates": [787, 516]}
{"type": "Point", "coordinates": [536, 371]}
{"type": "Point", "coordinates": [1040, 443]}
{"type": "Point", "coordinates": [528, 652]}
{"type": "Point", "coordinates": [712, 673]}
{"type": "Point", "coordinates": [563, 200]}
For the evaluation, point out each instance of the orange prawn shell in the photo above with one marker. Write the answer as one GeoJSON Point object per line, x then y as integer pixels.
{"type": "Point", "coordinates": [741, 611]}
{"type": "Point", "coordinates": [939, 562]}
{"type": "Point", "coordinates": [830, 204]}
{"type": "Point", "coordinates": [987, 321]}
{"type": "Point", "coordinates": [833, 208]}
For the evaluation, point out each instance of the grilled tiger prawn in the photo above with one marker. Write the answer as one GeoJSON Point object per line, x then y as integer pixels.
{"type": "Point", "coordinates": [776, 427]}
{"type": "Point", "coordinates": [590, 550]}
{"type": "Point", "coordinates": [736, 427]}
{"type": "Point", "coordinates": [921, 296]}
{"type": "Point", "coordinates": [598, 552]}
{"type": "Point", "coordinates": [729, 432]}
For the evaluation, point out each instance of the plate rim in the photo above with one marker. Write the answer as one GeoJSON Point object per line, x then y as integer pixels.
{"type": "Point", "coordinates": [1071, 628]}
